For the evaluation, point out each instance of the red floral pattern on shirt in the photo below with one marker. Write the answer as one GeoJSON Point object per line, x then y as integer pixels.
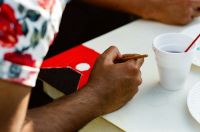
{"type": "Point", "coordinates": [9, 27]}
{"type": "Point", "coordinates": [19, 58]}
{"type": "Point", "coordinates": [47, 4]}
{"type": "Point", "coordinates": [26, 32]}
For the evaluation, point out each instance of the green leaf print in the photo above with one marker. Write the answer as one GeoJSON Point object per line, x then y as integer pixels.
{"type": "Point", "coordinates": [21, 8]}
{"type": "Point", "coordinates": [33, 15]}
{"type": "Point", "coordinates": [35, 38]}
{"type": "Point", "coordinates": [25, 27]}
{"type": "Point", "coordinates": [1, 1]}
{"type": "Point", "coordinates": [44, 29]}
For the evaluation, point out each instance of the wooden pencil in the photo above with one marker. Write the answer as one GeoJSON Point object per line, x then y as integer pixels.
{"type": "Point", "coordinates": [127, 57]}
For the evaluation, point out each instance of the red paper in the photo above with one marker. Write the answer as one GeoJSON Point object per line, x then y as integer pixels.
{"type": "Point", "coordinates": [79, 57]}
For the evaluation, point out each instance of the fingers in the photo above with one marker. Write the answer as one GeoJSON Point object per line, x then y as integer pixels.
{"type": "Point", "coordinates": [196, 8]}
{"type": "Point", "coordinates": [132, 68]}
{"type": "Point", "coordinates": [139, 62]}
{"type": "Point", "coordinates": [135, 63]}
{"type": "Point", "coordinates": [195, 4]}
{"type": "Point", "coordinates": [196, 12]}
{"type": "Point", "coordinates": [128, 55]}
{"type": "Point", "coordinates": [111, 54]}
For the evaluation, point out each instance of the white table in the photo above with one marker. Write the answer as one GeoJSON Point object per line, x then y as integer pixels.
{"type": "Point", "coordinates": [153, 109]}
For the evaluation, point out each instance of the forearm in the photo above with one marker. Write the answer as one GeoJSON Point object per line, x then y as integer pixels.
{"type": "Point", "coordinates": [13, 105]}
{"type": "Point", "coordinates": [66, 114]}
{"type": "Point", "coordinates": [168, 11]}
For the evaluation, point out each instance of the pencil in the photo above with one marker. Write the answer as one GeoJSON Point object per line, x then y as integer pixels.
{"type": "Point", "coordinates": [127, 57]}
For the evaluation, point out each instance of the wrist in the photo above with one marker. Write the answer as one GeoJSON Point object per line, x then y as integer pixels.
{"type": "Point", "coordinates": [141, 8]}
{"type": "Point", "coordinates": [94, 100]}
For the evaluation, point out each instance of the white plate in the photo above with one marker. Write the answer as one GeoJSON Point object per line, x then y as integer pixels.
{"type": "Point", "coordinates": [193, 101]}
{"type": "Point", "coordinates": [193, 32]}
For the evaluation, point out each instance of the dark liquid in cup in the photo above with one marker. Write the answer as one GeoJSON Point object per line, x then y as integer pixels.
{"type": "Point", "coordinates": [171, 51]}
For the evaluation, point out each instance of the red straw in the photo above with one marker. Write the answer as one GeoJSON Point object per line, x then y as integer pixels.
{"type": "Point", "coordinates": [192, 43]}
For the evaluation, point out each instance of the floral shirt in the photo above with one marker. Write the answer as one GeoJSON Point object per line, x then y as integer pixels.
{"type": "Point", "coordinates": [27, 28]}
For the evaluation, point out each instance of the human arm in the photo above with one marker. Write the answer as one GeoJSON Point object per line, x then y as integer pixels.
{"type": "Point", "coordinates": [66, 114]}
{"type": "Point", "coordinates": [69, 113]}
{"type": "Point", "coordinates": [23, 44]}
{"type": "Point", "coordinates": [110, 86]}
{"type": "Point", "coordinates": [19, 66]}
{"type": "Point", "coordinates": [167, 11]}
{"type": "Point", "coordinates": [13, 105]}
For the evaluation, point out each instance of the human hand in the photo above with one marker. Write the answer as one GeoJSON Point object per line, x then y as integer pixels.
{"type": "Point", "coordinates": [170, 11]}
{"type": "Point", "coordinates": [114, 84]}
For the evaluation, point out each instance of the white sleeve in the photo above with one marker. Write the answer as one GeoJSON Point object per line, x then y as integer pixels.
{"type": "Point", "coordinates": [27, 28]}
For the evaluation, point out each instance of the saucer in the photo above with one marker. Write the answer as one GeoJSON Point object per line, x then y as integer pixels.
{"type": "Point", "coordinates": [193, 32]}
{"type": "Point", "coordinates": [193, 102]}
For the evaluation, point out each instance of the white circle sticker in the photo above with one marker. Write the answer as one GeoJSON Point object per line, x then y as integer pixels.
{"type": "Point", "coordinates": [83, 67]}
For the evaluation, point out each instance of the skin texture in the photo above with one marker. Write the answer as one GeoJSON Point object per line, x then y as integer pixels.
{"type": "Point", "coordinates": [167, 11]}
{"type": "Point", "coordinates": [109, 88]}
{"type": "Point", "coordinates": [13, 106]}
{"type": "Point", "coordinates": [123, 79]}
